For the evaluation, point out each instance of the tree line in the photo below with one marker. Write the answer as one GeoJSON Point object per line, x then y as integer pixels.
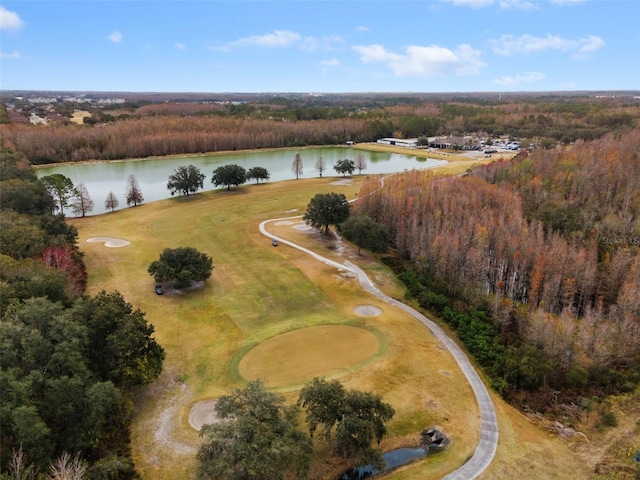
{"type": "Point", "coordinates": [536, 261]}
{"type": "Point", "coordinates": [183, 128]}
{"type": "Point", "coordinates": [70, 362]}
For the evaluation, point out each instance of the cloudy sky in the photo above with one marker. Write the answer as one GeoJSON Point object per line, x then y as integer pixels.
{"type": "Point", "coordinates": [320, 45]}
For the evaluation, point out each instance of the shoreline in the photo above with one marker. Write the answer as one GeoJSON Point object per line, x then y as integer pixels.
{"type": "Point", "coordinates": [370, 146]}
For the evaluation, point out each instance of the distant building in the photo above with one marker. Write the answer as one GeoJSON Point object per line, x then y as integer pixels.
{"type": "Point", "coordinates": [400, 142]}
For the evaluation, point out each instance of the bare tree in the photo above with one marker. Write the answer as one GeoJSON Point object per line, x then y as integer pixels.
{"type": "Point", "coordinates": [19, 469]}
{"type": "Point", "coordinates": [111, 203]}
{"type": "Point", "coordinates": [133, 192]}
{"type": "Point", "coordinates": [82, 204]}
{"type": "Point", "coordinates": [296, 167]}
{"type": "Point", "coordinates": [321, 166]}
{"type": "Point", "coordinates": [68, 468]}
{"type": "Point", "coordinates": [360, 163]}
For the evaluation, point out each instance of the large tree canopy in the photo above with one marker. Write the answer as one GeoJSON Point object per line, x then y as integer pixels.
{"type": "Point", "coordinates": [326, 209]}
{"type": "Point", "coordinates": [228, 175]}
{"type": "Point", "coordinates": [66, 376]}
{"type": "Point", "coordinates": [345, 167]}
{"type": "Point", "coordinates": [366, 233]}
{"type": "Point", "coordinates": [182, 265]}
{"type": "Point", "coordinates": [60, 188]}
{"type": "Point", "coordinates": [256, 439]}
{"type": "Point", "coordinates": [358, 417]}
{"type": "Point", "coordinates": [186, 180]}
{"type": "Point", "coordinates": [258, 173]}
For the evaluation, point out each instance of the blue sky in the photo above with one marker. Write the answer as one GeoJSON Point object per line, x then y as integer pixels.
{"type": "Point", "coordinates": [320, 46]}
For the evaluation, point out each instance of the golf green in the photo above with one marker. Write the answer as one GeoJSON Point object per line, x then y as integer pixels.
{"type": "Point", "coordinates": [298, 356]}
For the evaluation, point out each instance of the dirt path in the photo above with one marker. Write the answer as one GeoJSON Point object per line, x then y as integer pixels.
{"type": "Point", "coordinates": [486, 449]}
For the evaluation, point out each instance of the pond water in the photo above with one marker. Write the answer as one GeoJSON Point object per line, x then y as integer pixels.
{"type": "Point", "coordinates": [393, 459]}
{"type": "Point", "coordinates": [100, 178]}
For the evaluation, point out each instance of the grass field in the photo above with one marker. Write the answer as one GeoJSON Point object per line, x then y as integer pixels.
{"type": "Point", "coordinates": [260, 295]}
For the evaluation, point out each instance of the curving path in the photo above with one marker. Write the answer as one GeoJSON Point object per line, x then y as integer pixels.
{"type": "Point", "coordinates": [486, 449]}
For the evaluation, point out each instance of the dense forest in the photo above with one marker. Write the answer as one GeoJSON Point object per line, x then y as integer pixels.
{"type": "Point", "coordinates": [142, 129]}
{"type": "Point", "coordinates": [70, 362]}
{"type": "Point", "coordinates": [535, 261]}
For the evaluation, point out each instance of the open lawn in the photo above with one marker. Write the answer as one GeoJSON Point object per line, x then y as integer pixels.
{"type": "Point", "coordinates": [260, 295]}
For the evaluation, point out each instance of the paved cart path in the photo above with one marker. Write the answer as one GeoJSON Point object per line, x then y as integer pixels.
{"type": "Point", "coordinates": [486, 449]}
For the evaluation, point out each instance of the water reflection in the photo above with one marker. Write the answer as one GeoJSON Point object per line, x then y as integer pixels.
{"type": "Point", "coordinates": [100, 178]}
{"type": "Point", "coordinates": [393, 459]}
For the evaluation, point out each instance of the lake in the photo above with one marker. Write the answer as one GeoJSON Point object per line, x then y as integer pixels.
{"type": "Point", "coordinates": [152, 174]}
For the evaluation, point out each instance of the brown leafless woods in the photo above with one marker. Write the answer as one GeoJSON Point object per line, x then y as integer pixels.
{"type": "Point", "coordinates": [549, 242]}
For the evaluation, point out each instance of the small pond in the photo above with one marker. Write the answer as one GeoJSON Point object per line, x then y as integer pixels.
{"type": "Point", "coordinates": [393, 459]}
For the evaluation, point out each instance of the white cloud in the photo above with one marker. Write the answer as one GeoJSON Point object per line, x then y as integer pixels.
{"type": "Point", "coordinates": [566, 2]}
{"type": "Point", "coordinates": [13, 55]}
{"type": "Point", "coordinates": [522, 4]}
{"type": "Point", "coordinates": [276, 39]}
{"type": "Point", "coordinates": [115, 37]}
{"type": "Point", "coordinates": [514, 80]}
{"type": "Point", "coordinates": [508, 45]}
{"type": "Point", "coordinates": [180, 46]}
{"type": "Point", "coordinates": [334, 62]}
{"type": "Point", "coordinates": [362, 28]}
{"type": "Point", "coordinates": [431, 61]}
{"type": "Point", "coordinates": [471, 3]}
{"type": "Point", "coordinates": [10, 21]}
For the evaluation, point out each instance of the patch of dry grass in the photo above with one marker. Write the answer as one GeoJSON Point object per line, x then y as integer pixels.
{"type": "Point", "coordinates": [258, 292]}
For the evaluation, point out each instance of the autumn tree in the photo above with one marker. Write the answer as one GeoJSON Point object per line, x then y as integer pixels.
{"type": "Point", "coordinates": [133, 193]}
{"type": "Point", "coordinates": [111, 202]}
{"type": "Point", "coordinates": [344, 167]}
{"type": "Point", "coordinates": [60, 188]}
{"type": "Point", "coordinates": [227, 175]}
{"type": "Point", "coordinates": [360, 163]}
{"type": "Point", "coordinates": [255, 439]}
{"type": "Point", "coordinates": [185, 180]}
{"type": "Point", "coordinates": [82, 203]}
{"type": "Point", "coordinates": [296, 166]}
{"type": "Point", "coordinates": [321, 166]}
{"type": "Point", "coordinates": [326, 209]}
{"type": "Point", "coordinates": [258, 173]}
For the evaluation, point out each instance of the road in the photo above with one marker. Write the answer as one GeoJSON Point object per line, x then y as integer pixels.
{"type": "Point", "coordinates": [486, 449]}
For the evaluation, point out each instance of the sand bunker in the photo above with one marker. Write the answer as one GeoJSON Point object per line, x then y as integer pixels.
{"type": "Point", "coordinates": [303, 227]}
{"type": "Point", "coordinates": [367, 310]}
{"type": "Point", "coordinates": [203, 413]}
{"type": "Point", "coordinates": [284, 222]}
{"type": "Point", "coordinates": [109, 241]}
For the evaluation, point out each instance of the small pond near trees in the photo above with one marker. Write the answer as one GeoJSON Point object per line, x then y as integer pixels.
{"type": "Point", "coordinates": [393, 459]}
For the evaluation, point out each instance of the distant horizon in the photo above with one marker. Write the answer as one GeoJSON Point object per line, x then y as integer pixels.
{"type": "Point", "coordinates": [320, 46]}
{"type": "Point", "coordinates": [301, 93]}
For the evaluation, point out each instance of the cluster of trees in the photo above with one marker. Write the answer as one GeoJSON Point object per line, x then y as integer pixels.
{"type": "Point", "coordinates": [181, 128]}
{"type": "Point", "coordinates": [64, 194]}
{"type": "Point", "coordinates": [326, 209]}
{"type": "Point", "coordinates": [70, 362]}
{"type": "Point", "coordinates": [257, 434]}
{"type": "Point", "coordinates": [544, 248]}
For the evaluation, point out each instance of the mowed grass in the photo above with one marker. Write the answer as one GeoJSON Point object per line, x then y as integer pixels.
{"type": "Point", "coordinates": [292, 358]}
{"type": "Point", "coordinates": [258, 294]}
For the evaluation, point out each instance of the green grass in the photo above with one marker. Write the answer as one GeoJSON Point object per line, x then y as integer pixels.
{"type": "Point", "coordinates": [258, 292]}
